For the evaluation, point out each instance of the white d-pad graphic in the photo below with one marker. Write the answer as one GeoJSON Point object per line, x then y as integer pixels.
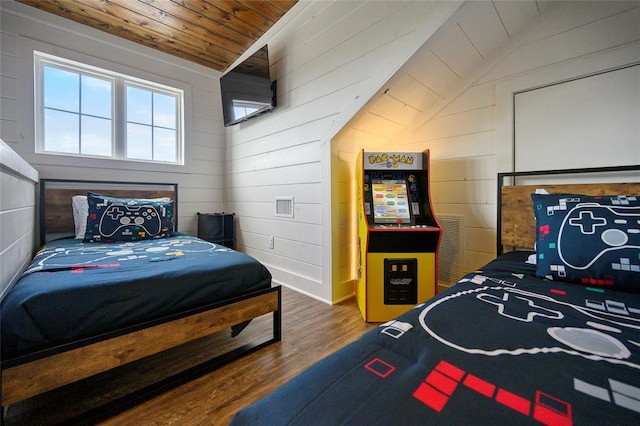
{"type": "Point", "coordinates": [506, 302]}
{"type": "Point", "coordinates": [587, 222]}
{"type": "Point", "coordinates": [588, 342]}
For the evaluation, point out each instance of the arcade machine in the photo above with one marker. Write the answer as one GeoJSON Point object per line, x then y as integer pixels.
{"type": "Point", "coordinates": [398, 234]}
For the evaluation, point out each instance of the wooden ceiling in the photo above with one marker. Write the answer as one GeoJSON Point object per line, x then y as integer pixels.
{"type": "Point", "coordinates": [213, 33]}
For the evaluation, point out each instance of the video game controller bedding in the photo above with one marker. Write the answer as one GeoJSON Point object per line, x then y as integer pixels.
{"type": "Point", "coordinates": [500, 347]}
{"type": "Point", "coordinates": [74, 289]}
{"type": "Point", "coordinates": [127, 219]}
{"type": "Point", "coordinates": [591, 240]}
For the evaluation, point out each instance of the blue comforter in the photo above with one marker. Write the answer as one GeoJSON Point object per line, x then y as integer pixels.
{"type": "Point", "coordinates": [501, 347]}
{"type": "Point", "coordinates": [74, 289]}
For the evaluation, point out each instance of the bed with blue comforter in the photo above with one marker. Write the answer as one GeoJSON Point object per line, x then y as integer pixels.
{"type": "Point", "coordinates": [122, 286]}
{"type": "Point", "coordinates": [501, 346]}
{"type": "Point", "coordinates": [545, 336]}
{"type": "Point", "coordinates": [75, 289]}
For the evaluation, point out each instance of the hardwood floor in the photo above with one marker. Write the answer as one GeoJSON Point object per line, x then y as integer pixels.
{"type": "Point", "coordinates": [311, 330]}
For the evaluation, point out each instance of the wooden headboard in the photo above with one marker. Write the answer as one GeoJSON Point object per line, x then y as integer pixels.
{"type": "Point", "coordinates": [516, 221]}
{"type": "Point", "coordinates": [56, 214]}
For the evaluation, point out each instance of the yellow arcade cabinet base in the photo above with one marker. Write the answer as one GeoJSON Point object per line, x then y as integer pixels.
{"type": "Point", "coordinates": [395, 283]}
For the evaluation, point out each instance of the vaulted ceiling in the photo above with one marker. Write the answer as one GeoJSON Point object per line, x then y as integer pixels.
{"type": "Point", "coordinates": [464, 47]}
{"type": "Point", "coordinates": [213, 33]}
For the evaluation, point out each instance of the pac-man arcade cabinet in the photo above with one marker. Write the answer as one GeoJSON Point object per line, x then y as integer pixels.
{"type": "Point", "coordinates": [398, 234]}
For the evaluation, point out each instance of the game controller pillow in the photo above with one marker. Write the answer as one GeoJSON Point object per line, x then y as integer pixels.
{"type": "Point", "coordinates": [80, 208]}
{"type": "Point", "coordinates": [127, 219]}
{"type": "Point", "coordinates": [591, 240]}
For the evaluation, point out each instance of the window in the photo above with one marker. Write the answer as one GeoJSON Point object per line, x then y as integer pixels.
{"type": "Point", "coordinates": [151, 124]}
{"type": "Point", "coordinates": [87, 111]}
{"type": "Point", "coordinates": [244, 108]}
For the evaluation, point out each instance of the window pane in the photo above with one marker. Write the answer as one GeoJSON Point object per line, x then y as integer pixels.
{"type": "Point", "coordinates": [84, 110]}
{"type": "Point", "coordinates": [243, 109]}
{"type": "Point", "coordinates": [96, 136]}
{"type": "Point", "coordinates": [96, 96]}
{"type": "Point", "coordinates": [138, 105]}
{"type": "Point", "coordinates": [139, 142]}
{"type": "Point", "coordinates": [61, 132]}
{"type": "Point", "coordinates": [164, 144]}
{"type": "Point", "coordinates": [61, 89]}
{"type": "Point", "coordinates": [164, 111]}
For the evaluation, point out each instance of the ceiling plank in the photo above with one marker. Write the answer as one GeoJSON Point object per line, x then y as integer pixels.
{"type": "Point", "coordinates": [282, 5]}
{"type": "Point", "coordinates": [240, 10]}
{"type": "Point", "coordinates": [262, 9]}
{"type": "Point", "coordinates": [213, 33]}
{"type": "Point", "coordinates": [222, 17]}
{"type": "Point", "coordinates": [202, 27]}
{"type": "Point", "coordinates": [143, 25]}
{"type": "Point", "coordinates": [78, 13]}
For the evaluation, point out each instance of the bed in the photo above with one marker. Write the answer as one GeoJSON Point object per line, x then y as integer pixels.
{"type": "Point", "coordinates": [122, 288]}
{"type": "Point", "coordinates": [544, 336]}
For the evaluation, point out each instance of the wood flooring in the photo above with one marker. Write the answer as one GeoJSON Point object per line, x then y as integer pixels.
{"type": "Point", "coordinates": [311, 330]}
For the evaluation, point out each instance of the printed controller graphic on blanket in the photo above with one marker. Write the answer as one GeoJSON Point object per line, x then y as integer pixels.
{"type": "Point", "coordinates": [114, 255]}
{"type": "Point", "coordinates": [602, 332]}
{"type": "Point", "coordinates": [501, 346]}
{"type": "Point", "coordinates": [118, 216]}
{"type": "Point", "coordinates": [605, 234]}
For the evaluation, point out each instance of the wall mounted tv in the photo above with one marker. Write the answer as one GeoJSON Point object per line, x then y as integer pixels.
{"type": "Point", "coordinates": [247, 90]}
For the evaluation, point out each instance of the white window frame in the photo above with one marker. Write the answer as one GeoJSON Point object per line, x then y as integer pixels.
{"type": "Point", "coordinates": [118, 116]}
{"type": "Point", "coordinates": [254, 105]}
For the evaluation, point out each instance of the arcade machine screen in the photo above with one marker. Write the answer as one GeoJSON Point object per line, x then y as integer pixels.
{"type": "Point", "coordinates": [390, 200]}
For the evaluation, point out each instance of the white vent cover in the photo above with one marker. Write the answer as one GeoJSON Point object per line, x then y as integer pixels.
{"type": "Point", "coordinates": [284, 206]}
{"type": "Point", "coordinates": [450, 254]}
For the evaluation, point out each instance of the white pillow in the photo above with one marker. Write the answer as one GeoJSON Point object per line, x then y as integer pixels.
{"type": "Point", "coordinates": [80, 213]}
{"type": "Point", "coordinates": [80, 207]}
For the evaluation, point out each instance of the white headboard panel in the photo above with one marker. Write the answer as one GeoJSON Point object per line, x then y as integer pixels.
{"type": "Point", "coordinates": [18, 181]}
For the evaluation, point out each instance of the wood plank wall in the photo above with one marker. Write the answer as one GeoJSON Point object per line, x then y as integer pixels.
{"type": "Point", "coordinates": [25, 29]}
{"type": "Point", "coordinates": [463, 114]}
{"type": "Point", "coordinates": [328, 61]}
{"type": "Point", "coordinates": [18, 182]}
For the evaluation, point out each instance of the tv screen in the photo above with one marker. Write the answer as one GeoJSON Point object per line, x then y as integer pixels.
{"type": "Point", "coordinates": [247, 90]}
{"type": "Point", "coordinates": [390, 201]}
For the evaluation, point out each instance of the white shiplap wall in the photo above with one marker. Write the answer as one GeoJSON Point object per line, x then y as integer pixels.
{"type": "Point", "coordinates": [18, 182]}
{"type": "Point", "coordinates": [332, 60]}
{"type": "Point", "coordinates": [562, 45]}
{"type": "Point", "coordinates": [454, 96]}
{"type": "Point", "coordinates": [328, 61]}
{"type": "Point", "coordinates": [200, 180]}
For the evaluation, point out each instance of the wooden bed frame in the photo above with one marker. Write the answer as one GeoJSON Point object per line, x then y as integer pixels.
{"type": "Point", "coordinates": [516, 224]}
{"type": "Point", "coordinates": [33, 374]}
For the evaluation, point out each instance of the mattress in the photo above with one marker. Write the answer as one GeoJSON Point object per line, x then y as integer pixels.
{"type": "Point", "coordinates": [499, 347]}
{"type": "Point", "coordinates": [74, 289]}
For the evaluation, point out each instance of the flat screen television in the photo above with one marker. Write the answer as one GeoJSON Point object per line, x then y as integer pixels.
{"type": "Point", "coordinates": [247, 90]}
{"type": "Point", "coordinates": [390, 201]}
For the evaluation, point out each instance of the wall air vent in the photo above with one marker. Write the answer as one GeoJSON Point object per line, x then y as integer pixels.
{"type": "Point", "coordinates": [450, 254]}
{"type": "Point", "coordinates": [284, 206]}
